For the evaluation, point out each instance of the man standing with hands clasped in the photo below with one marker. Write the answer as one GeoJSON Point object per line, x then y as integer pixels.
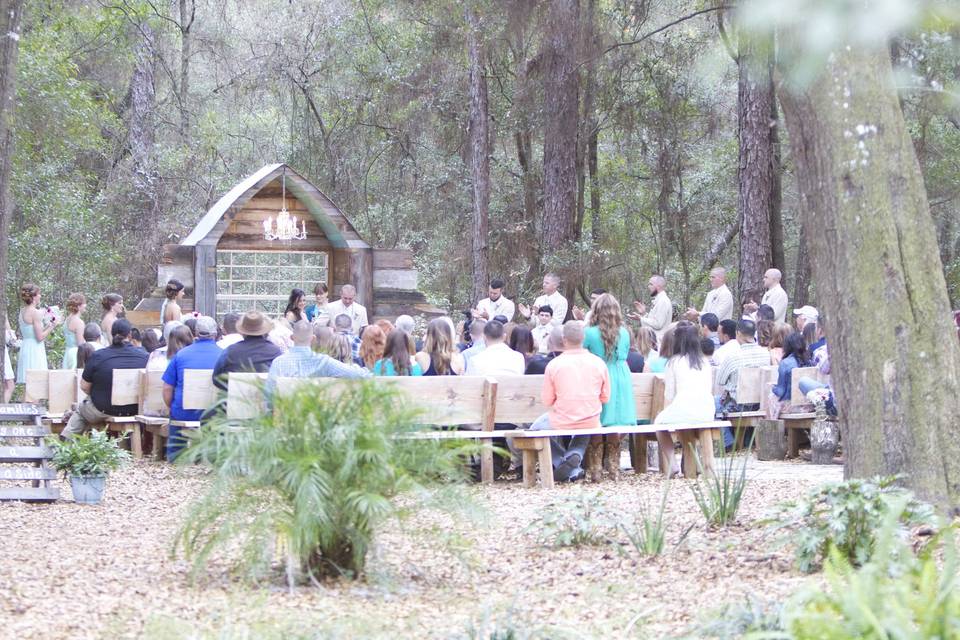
{"type": "Point", "coordinates": [719, 300]}
{"type": "Point", "coordinates": [775, 296]}
{"type": "Point", "coordinates": [551, 297]}
{"type": "Point", "coordinates": [660, 314]}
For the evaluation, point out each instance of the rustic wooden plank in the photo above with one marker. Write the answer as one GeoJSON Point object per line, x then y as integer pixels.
{"type": "Point", "coordinates": [23, 431]}
{"type": "Point", "coordinates": [487, 424]}
{"type": "Point", "coordinates": [37, 385]}
{"type": "Point", "coordinates": [151, 394]}
{"type": "Point", "coordinates": [519, 399]}
{"type": "Point", "coordinates": [255, 242]}
{"type": "Point", "coordinates": [748, 385]}
{"type": "Point", "coordinates": [9, 472]}
{"type": "Point", "coordinates": [30, 494]}
{"type": "Point", "coordinates": [63, 390]}
{"type": "Point", "coordinates": [527, 434]}
{"type": "Point", "coordinates": [126, 387]}
{"type": "Point", "coordinates": [797, 398]}
{"type": "Point", "coordinates": [20, 411]}
{"type": "Point", "coordinates": [25, 454]}
{"type": "Point", "coordinates": [143, 319]}
{"type": "Point", "coordinates": [545, 461]}
{"type": "Point", "coordinates": [198, 390]}
{"type": "Point", "coordinates": [657, 400]}
{"type": "Point", "coordinates": [392, 259]}
{"type": "Point", "coordinates": [245, 397]}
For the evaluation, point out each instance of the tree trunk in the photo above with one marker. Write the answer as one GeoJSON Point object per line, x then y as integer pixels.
{"type": "Point", "coordinates": [561, 108]}
{"type": "Point", "coordinates": [480, 158]}
{"type": "Point", "coordinates": [755, 174]}
{"type": "Point", "coordinates": [11, 13]}
{"type": "Point", "coordinates": [871, 240]}
{"type": "Point", "coordinates": [777, 256]}
{"type": "Point", "coordinates": [186, 44]}
{"type": "Point", "coordinates": [801, 274]}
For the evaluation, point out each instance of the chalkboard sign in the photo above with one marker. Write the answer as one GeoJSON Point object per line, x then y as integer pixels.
{"type": "Point", "coordinates": [9, 472]}
{"type": "Point", "coordinates": [24, 431]}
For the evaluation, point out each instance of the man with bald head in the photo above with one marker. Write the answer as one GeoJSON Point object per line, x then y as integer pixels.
{"type": "Point", "coordinates": [719, 300]}
{"type": "Point", "coordinates": [551, 297]}
{"type": "Point", "coordinates": [775, 296]}
{"type": "Point", "coordinates": [348, 306]}
{"type": "Point", "coordinates": [300, 361]}
{"type": "Point", "coordinates": [660, 314]}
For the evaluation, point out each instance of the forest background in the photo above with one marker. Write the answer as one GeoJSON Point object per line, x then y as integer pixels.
{"type": "Point", "coordinates": [133, 118]}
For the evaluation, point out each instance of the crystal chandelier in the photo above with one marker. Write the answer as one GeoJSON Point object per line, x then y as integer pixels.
{"type": "Point", "coordinates": [285, 227]}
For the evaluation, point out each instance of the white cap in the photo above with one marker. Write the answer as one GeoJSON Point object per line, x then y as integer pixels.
{"type": "Point", "coordinates": [808, 312]}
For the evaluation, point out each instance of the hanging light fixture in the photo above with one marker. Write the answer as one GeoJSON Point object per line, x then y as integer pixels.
{"type": "Point", "coordinates": [285, 227]}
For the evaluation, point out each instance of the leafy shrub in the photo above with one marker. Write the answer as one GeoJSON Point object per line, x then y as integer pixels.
{"type": "Point", "coordinates": [718, 494]}
{"type": "Point", "coordinates": [94, 454]}
{"type": "Point", "coordinates": [894, 594]}
{"type": "Point", "coordinates": [310, 482]}
{"type": "Point", "coordinates": [580, 520]}
{"type": "Point", "coordinates": [846, 515]}
{"type": "Point", "coordinates": [740, 619]}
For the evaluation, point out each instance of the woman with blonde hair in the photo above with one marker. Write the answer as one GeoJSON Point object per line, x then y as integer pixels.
{"type": "Point", "coordinates": [112, 304]}
{"type": "Point", "coordinates": [440, 356]}
{"type": "Point", "coordinates": [781, 332]}
{"type": "Point", "coordinates": [341, 349]}
{"type": "Point", "coordinates": [33, 353]}
{"type": "Point", "coordinates": [372, 343]}
{"type": "Point", "coordinates": [607, 338]}
{"type": "Point", "coordinates": [73, 326]}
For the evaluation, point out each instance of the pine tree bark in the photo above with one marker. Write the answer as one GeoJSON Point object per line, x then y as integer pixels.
{"type": "Point", "coordinates": [756, 169]}
{"type": "Point", "coordinates": [479, 158]}
{"type": "Point", "coordinates": [895, 359]}
{"type": "Point", "coordinates": [11, 15]}
{"type": "Point", "coordinates": [777, 256]}
{"type": "Point", "coordinates": [561, 107]}
{"type": "Point", "coordinates": [187, 12]}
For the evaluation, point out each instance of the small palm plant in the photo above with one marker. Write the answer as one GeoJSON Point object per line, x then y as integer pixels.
{"type": "Point", "coordinates": [310, 482]}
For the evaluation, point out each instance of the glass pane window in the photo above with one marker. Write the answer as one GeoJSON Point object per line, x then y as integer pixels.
{"type": "Point", "coordinates": [262, 280]}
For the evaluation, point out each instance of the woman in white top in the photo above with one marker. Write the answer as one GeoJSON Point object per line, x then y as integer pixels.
{"type": "Point", "coordinates": [688, 388]}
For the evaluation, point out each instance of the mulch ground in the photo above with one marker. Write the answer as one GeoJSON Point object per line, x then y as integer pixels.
{"type": "Point", "coordinates": [75, 571]}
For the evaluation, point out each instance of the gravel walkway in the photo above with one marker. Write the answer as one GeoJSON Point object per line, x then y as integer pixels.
{"type": "Point", "coordinates": [73, 571]}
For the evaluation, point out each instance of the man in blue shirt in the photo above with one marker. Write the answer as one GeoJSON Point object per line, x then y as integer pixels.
{"type": "Point", "coordinates": [202, 354]}
{"type": "Point", "coordinates": [300, 361]}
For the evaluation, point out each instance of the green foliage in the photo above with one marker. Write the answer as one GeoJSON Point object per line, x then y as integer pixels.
{"type": "Point", "coordinates": [648, 532]}
{"type": "Point", "coordinates": [311, 482]}
{"type": "Point", "coordinates": [846, 516]}
{"type": "Point", "coordinates": [581, 519]}
{"type": "Point", "coordinates": [746, 619]}
{"type": "Point", "coordinates": [93, 454]}
{"type": "Point", "coordinates": [894, 594]}
{"type": "Point", "coordinates": [718, 494]}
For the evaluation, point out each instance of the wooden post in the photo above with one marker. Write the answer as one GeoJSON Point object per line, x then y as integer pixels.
{"type": "Point", "coordinates": [771, 440]}
{"type": "Point", "coordinates": [688, 461]}
{"type": "Point", "coordinates": [546, 466]}
{"type": "Point", "coordinates": [486, 451]}
{"type": "Point", "coordinates": [705, 436]}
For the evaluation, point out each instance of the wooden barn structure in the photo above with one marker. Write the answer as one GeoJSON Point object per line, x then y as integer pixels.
{"type": "Point", "coordinates": [227, 264]}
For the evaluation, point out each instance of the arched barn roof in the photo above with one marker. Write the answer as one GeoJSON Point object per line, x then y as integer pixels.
{"type": "Point", "coordinates": [327, 215]}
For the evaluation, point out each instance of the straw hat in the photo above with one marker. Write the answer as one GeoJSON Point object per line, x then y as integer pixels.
{"type": "Point", "coordinates": [254, 323]}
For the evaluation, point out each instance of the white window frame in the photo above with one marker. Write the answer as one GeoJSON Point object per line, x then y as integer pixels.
{"type": "Point", "coordinates": [282, 294]}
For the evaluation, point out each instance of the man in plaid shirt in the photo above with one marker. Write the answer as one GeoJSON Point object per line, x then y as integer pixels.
{"type": "Point", "coordinates": [300, 361]}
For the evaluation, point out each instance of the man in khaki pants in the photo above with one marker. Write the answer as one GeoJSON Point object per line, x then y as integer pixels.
{"type": "Point", "coordinates": [97, 381]}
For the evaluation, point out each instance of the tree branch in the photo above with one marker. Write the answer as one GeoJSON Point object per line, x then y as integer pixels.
{"type": "Point", "coordinates": [649, 35]}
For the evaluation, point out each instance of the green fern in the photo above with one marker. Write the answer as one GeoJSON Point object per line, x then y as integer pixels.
{"type": "Point", "coordinates": [306, 486]}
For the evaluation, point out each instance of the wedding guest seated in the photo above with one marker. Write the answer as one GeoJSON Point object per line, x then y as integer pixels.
{"type": "Point", "coordinates": [576, 384]}
{"type": "Point", "coordinates": [497, 358]}
{"type": "Point", "coordinates": [398, 357]}
{"type": "Point", "coordinates": [300, 361]}
{"type": "Point", "coordinates": [521, 341]}
{"type": "Point", "coordinates": [179, 336]}
{"type": "Point", "coordinates": [708, 348]}
{"type": "Point", "coordinates": [84, 352]}
{"type": "Point", "coordinates": [97, 381]}
{"type": "Point", "coordinates": [252, 354]}
{"type": "Point", "coordinates": [709, 325]}
{"type": "Point", "coordinates": [538, 363]}
{"type": "Point", "coordinates": [150, 341]}
{"type": "Point", "coordinates": [728, 342]}
{"type": "Point", "coordinates": [440, 356]}
{"type": "Point", "coordinates": [750, 355]}
{"type": "Point", "coordinates": [202, 354]}
{"type": "Point", "coordinates": [230, 335]}
{"type": "Point", "coordinates": [341, 349]}
{"type": "Point", "coordinates": [476, 341]}
{"type": "Point", "coordinates": [794, 356]}
{"type": "Point", "coordinates": [688, 389]}
{"type": "Point", "coordinates": [322, 338]}
{"type": "Point", "coordinates": [93, 333]}
{"type": "Point", "coordinates": [635, 359]}
{"type": "Point", "coordinates": [372, 344]}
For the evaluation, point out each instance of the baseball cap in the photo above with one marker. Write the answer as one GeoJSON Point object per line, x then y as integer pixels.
{"type": "Point", "coordinates": [808, 312]}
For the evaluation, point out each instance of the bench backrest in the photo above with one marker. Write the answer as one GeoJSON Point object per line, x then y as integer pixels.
{"type": "Point", "coordinates": [126, 387]}
{"type": "Point", "coordinates": [444, 400]}
{"type": "Point", "coordinates": [151, 394]}
{"type": "Point", "coordinates": [199, 393]}
{"type": "Point", "coordinates": [797, 398]}
{"type": "Point", "coordinates": [519, 397]}
{"type": "Point", "coordinates": [37, 385]}
{"type": "Point", "coordinates": [245, 395]}
{"type": "Point", "coordinates": [749, 387]}
{"type": "Point", "coordinates": [62, 386]}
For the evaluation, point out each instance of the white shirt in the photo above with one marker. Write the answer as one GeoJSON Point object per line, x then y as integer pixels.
{"type": "Point", "coordinates": [497, 359]}
{"type": "Point", "coordinates": [776, 297]}
{"type": "Point", "coordinates": [659, 316]}
{"type": "Point", "coordinates": [541, 333]}
{"type": "Point", "coordinates": [720, 302]}
{"type": "Point", "coordinates": [499, 307]}
{"type": "Point", "coordinates": [724, 351]}
{"type": "Point", "coordinates": [356, 311]}
{"type": "Point", "coordinates": [229, 339]}
{"type": "Point", "coordinates": [688, 392]}
{"type": "Point", "coordinates": [557, 302]}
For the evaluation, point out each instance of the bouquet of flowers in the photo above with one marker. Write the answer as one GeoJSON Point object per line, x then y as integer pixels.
{"type": "Point", "coordinates": [819, 398]}
{"type": "Point", "coordinates": [52, 315]}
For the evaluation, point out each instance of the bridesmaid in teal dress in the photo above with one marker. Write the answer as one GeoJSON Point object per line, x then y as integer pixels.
{"type": "Point", "coordinates": [73, 329]}
{"type": "Point", "coordinates": [607, 338]}
{"type": "Point", "coordinates": [33, 353]}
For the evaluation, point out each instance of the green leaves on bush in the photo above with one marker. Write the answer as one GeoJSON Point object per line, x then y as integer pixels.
{"type": "Point", "coordinates": [579, 520]}
{"type": "Point", "coordinates": [95, 454]}
{"type": "Point", "coordinates": [847, 515]}
{"type": "Point", "coordinates": [309, 484]}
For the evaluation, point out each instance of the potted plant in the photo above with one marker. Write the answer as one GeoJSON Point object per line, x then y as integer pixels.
{"type": "Point", "coordinates": [87, 460]}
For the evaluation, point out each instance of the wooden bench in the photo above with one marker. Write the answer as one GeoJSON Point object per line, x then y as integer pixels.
{"type": "Point", "coordinates": [799, 415]}
{"type": "Point", "coordinates": [58, 389]}
{"type": "Point", "coordinates": [153, 414]}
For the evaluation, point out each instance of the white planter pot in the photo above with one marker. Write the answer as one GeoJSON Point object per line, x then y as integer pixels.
{"type": "Point", "coordinates": [87, 489]}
